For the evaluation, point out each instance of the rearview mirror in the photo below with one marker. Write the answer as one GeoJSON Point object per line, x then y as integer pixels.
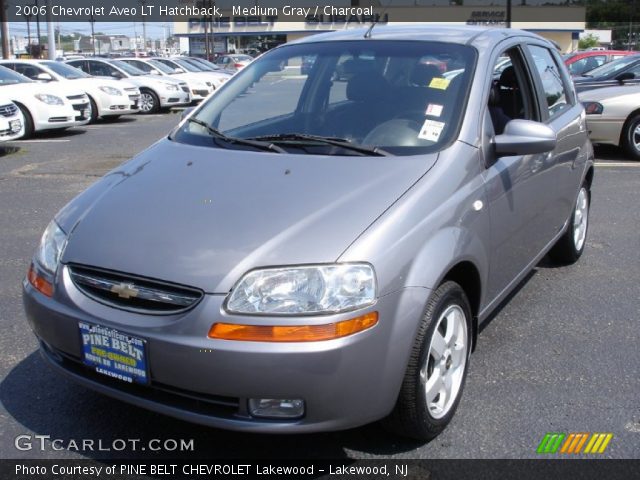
{"type": "Point", "coordinates": [625, 76]}
{"type": "Point", "coordinates": [525, 137]}
{"type": "Point", "coordinates": [45, 77]}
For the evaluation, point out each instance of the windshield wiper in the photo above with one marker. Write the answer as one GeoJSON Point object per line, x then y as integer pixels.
{"type": "Point", "coordinates": [335, 141]}
{"type": "Point", "coordinates": [218, 135]}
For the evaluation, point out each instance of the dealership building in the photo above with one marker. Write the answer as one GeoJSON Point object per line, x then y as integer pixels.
{"type": "Point", "coordinates": [261, 28]}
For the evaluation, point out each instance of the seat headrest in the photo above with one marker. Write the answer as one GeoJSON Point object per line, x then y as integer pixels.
{"type": "Point", "coordinates": [508, 78]}
{"type": "Point", "coordinates": [423, 73]}
{"type": "Point", "coordinates": [367, 87]}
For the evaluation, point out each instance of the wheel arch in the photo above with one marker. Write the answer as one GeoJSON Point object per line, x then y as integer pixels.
{"type": "Point", "coordinates": [467, 275]}
{"type": "Point", "coordinates": [630, 117]}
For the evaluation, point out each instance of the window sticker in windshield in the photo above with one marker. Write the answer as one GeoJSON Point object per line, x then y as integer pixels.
{"type": "Point", "coordinates": [434, 110]}
{"type": "Point", "coordinates": [431, 130]}
{"type": "Point", "coordinates": [439, 83]}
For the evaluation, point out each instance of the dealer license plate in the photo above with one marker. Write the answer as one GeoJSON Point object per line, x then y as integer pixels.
{"type": "Point", "coordinates": [113, 353]}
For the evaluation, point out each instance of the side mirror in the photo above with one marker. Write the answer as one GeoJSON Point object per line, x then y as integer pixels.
{"type": "Point", "coordinates": [186, 112]}
{"type": "Point", "coordinates": [625, 76]}
{"type": "Point", "coordinates": [179, 70]}
{"type": "Point", "coordinates": [117, 75]}
{"type": "Point", "coordinates": [45, 77]}
{"type": "Point", "coordinates": [525, 137]}
{"type": "Point", "coordinates": [155, 72]}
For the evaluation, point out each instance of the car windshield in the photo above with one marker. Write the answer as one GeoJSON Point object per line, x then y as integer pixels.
{"type": "Point", "coordinates": [204, 63]}
{"type": "Point", "coordinates": [612, 67]}
{"type": "Point", "coordinates": [186, 65]}
{"type": "Point", "coordinates": [9, 77]}
{"type": "Point", "coordinates": [64, 70]}
{"type": "Point", "coordinates": [391, 95]}
{"type": "Point", "coordinates": [131, 70]}
{"type": "Point", "coordinates": [162, 67]}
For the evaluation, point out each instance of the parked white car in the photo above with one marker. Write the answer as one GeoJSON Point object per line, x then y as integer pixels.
{"type": "Point", "coordinates": [199, 87]}
{"type": "Point", "coordinates": [155, 92]}
{"type": "Point", "coordinates": [108, 98]}
{"type": "Point", "coordinates": [11, 121]}
{"type": "Point", "coordinates": [44, 107]}
{"type": "Point", "coordinates": [181, 66]}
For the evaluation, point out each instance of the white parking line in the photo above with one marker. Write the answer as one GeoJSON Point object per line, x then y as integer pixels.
{"type": "Point", "coordinates": [618, 164]}
{"type": "Point", "coordinates": [44, 140]}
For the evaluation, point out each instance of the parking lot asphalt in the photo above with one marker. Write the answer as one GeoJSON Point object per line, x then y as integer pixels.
{"type": "Point", "coordinates": [561, 355]}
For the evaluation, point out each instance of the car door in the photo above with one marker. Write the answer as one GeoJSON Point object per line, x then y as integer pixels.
{"type": "Point", "coordinates": [515, 194]}
{"type": "Point", "coordinates": [562, 112]}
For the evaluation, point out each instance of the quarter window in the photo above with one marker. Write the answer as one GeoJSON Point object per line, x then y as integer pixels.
{"type": "Point", "coordinates": [555, 92]}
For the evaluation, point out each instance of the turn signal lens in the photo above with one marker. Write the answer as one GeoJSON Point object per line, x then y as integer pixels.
{"type": "Point", "coordinates": [292, 333]}
{"type": "Point", "coordinates": [39, 283]}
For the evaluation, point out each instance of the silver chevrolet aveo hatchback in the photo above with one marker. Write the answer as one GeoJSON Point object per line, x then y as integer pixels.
{"type": "Point", "coordinates": [315, 246]}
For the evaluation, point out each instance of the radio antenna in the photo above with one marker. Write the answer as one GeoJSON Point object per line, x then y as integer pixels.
{"type": "Point", "coordinates": [376, 19]}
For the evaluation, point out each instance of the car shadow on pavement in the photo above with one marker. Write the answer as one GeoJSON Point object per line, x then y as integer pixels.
{"type": "Point", "coordinates": [611, 152]}
{"type": "Point", "coordinates": [45, 403]}
{"type": "Point", "coordinates": [8, 150]}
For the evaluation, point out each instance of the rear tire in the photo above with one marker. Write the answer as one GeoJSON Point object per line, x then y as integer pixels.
{"type": "Point", "coordinates": [28, 122]}
{"type": "Point", "coordinates": [630, 140]}
{"type": "Point", "coordinates": [568, 249]}
{"type": "Point", "coordinates": [437, 368]}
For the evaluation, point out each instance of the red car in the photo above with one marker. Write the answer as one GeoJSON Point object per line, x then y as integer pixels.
{"type": "Point", "coordinates": [582, 62]}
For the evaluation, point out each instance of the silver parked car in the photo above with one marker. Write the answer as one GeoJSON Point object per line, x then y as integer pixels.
{"type": "Point", "coordinates": [307, 253]}
{"type": "Point", "coordinates": [613, 117]}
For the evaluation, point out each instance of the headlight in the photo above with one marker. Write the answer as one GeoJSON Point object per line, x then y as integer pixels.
{"type": "Point", "coordinates": [51, 247]}
{"type": "Point", "coordinates": [49, 99]}
{"type": "Point", "coordinates": [110, 90]}
{"type": "Point", "coordinates": [593, 108]}
{"type": "Point", "coordinates": [304, 290]}
{"type": "Point", "coordinates": [171, 87]}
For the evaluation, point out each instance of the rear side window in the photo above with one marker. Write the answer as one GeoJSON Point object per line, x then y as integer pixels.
{"type": "Point", "coordinates": [550, 77]}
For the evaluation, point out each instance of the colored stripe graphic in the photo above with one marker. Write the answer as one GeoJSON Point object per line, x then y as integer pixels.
{"type": "Point", "coordinates": [550, 443]}
{"type": "Point", "coordinates": [572, 443]}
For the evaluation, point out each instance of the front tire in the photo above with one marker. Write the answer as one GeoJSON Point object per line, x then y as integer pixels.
{"type": "Point", "coordinates": [437, 368]}
{"type": "Point", "coordinates": [570, 246]}
{"type": "Point", "coordinates": [149, 102]}
{"type": "Point", "coordinates": [94, 111]}
{"type": "Point", "coordinates": [28, 122]}
{"type": "Point", "coordinates": [631, 137]}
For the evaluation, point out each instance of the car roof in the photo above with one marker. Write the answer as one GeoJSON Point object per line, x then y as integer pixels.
{"type": "Point", "coordinates": [460, 34]}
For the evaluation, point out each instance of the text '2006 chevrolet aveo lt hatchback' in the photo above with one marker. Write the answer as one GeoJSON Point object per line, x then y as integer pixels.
{"type": "Point", "coordinates": [315, 248]}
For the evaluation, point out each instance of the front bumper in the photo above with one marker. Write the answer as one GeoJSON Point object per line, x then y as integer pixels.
{"type": "Point", "coordinates": [47, 117]}
{"type": "Point", "coordinates": [174, 98]}
{"type": "Point", "coordinates": [345, 382]}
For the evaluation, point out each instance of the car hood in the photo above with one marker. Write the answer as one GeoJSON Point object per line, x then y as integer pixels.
{"type": "Point", "coordinates": [19, 91]}
{"type": "Point", "coordinates": [95, 82]}
{"type": "Point", "coordinates": [203, 216]}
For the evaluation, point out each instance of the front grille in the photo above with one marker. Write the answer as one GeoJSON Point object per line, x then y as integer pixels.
{"type": "Point", "coordinates": [58, 119]}
{"type": "Point", "coordinates": [77, 97]}
{"type": "Point", "coordinates": [201, 93]}
{"type": "Point", "coordinates": [136, 294]}
{"type": "Point", "coordinates": [80, 106]}
{"type": "Point", "coordinates": [201, 403]}
{"type": "Point", "coordinates": [8, 110]}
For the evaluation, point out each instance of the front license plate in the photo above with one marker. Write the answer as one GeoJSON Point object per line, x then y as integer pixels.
{"type": "Point", "coordinates": [113, 353]}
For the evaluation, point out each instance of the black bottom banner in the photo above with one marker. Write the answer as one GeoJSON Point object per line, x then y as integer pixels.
{"type": "Point", "coordinates": [320, 469]}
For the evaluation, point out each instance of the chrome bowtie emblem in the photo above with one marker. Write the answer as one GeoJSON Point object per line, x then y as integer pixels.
{"type": "Point", "coordinates": [125, 290]}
